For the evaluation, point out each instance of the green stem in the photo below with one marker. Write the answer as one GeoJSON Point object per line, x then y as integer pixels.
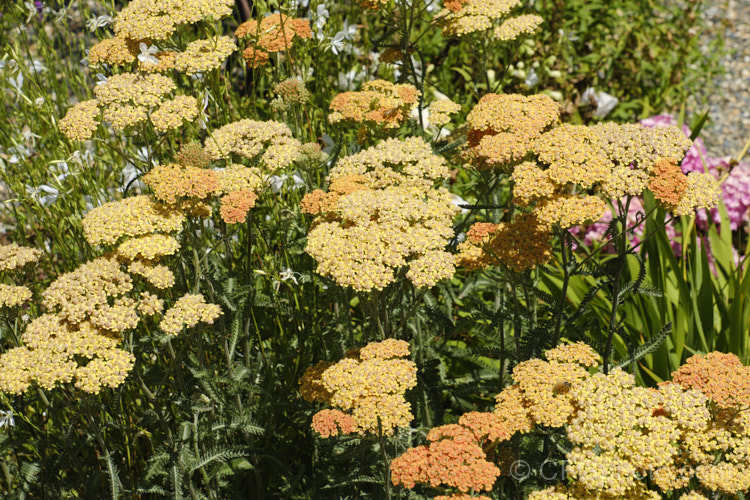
{"type": "Point", "coordinates": [564, 291]}
{"type": "Point", "coordinates": [386, 462]}
{"type": "Point", "coordinates": [621, 257]}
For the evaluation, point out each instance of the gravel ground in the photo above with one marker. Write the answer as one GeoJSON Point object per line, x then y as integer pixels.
{"type": "Point", "coordinates": [729, 128]}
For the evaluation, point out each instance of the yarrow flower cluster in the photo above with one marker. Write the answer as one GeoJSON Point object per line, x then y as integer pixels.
{"type": "Point", "coordinates": [462, 17]}
{"type": "Point", "coordinates": [381, 213]}
{"type": "Point", "coordinates": [692, 431]}
{"type": "Point", "coordinates": [457, 456]}
{"type": "Point", "coordinates": [13, 296]}
{"type": "Point", "coordinates": [380, 106]}
{"type": "Point", "coordinates": [201, 56]}
{"type": "Point", "coordinates": [511, 28]}
{"type": "Point", "coordinates": [158, 19]}
{"type": "Point", "coordinates": [290, 92]}
{"type": "Point", "coordinates": [453, 459]}
{"type": "Point", "coordinates": [274, 33]}
{"type": "Point", "coordinates": [441, 110]}
{"type": "Point", "coordinates": [520, 245]}
{"type": "Point", "coordinates": [172, 113]}
{"type": "Point", "coordinates": [175, 184]}
{"type": "Point", "coordinates": [188, 311]}
{"type": "Point", "coordinates": [271, 141]}
{"type": "Point", "coordinates": [366, 388]}
{"type": "Point", "coordinates": [89, 308]}
{"type": "Point", "coordinates": [736, 185]}
{"type": "Point", "coordinates": [14, 257]}
{"type": "Point", "coordinates": [133, 216]}
{"type": "Point", "coordinates": [573, 161]}
{"type": "Point", "coordinates": [128, 99]}
{"type": "Point", "coordinates": [503, 127]}
{"type": "Point", "coordinates": [57, 352]}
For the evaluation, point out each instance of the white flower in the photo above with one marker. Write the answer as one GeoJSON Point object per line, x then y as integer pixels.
{"type": "Point", "coordinates": [458, 201]}
{"type": "Point", "coordinates": [36, 66]}
{"type": "Point", "coordinates": [32, 10]}
{"type": "Point", "coordinates": [62, 168]}
{"type": "Point", "coordinates": [30, 137]}
{"type": "Point", "coordinates": [16, 83]}
{"type": "Point", "coordinates": [81, 158]}
{"type": "Point", "coordinates": [604, 102]}
{"type": "Point", "coordinates": [18, 153]}
{"type": "Point", "coordinates": [98, 22]}
{"type": "Point", "coordinates": [43, 199]}
{"type": "Point", "coordinates": [100, 78]}
{"type": "Point", "coordinates": [349, 31]}
{"type": "Point", "coordinates": [532, 79]}
{"type": "Point", "coordinates": [337, 43]}
{"type": "Point", "coordinates": [288, 274]}
{"type": "Point", "coordinates": [129, 176]}
{"type": "Point", "coordinates": [61, 14]}
{"type": "Point", "coordinates": [147, 54]}
{"type": "Point", "coordinates": [6, 419]}
{"type": "Point", "coordinates": [12, 64]}
{"type": "Point", "coordinates": [330, 144]}
{"type": "Point", "coordinates": [276, 181]}
{"type": "Point", "coordinates": [39, 101]}
{"type": "Point", "coordinates": [203, 117]}
{"type": "Point", "coordinates": [340, 39]}
{"type": "Point", "coordinates": [321, 16]}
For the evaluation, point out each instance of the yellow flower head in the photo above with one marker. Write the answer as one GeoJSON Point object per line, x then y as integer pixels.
{"type": "Point", "coordinates": [188, 311]}
{"type": "Point", "coordinates": [201, 56]}
{"type": "Point", "coordinates": [461, 17]}
{"type": "Point", "coordinates": [172, 182]}
{"type": "Point", "coordinates": [80, 121]}
{"type": "Point", "coordinates": [115, 51]}
{"type": "Point", "coordinates": [172, 113]}
{"type": "Point", "coordinates": [379, 106]}
{"type": "Point", "coordinates": [134, 216]}
{"type": "Point", "coordinates": [271, 140]}
{"type": "Point", "coordinates": [503, 127]}
{"type": "Point", "coordinates": [520, 245]}
{"type": "Point", "coordinates": [14, 257]}
{"type": "Point", "coordinates": [369, 387]}
{"type": "Point", "coordinates": [13, 296]}
{"type": "Point", "coordinates": [158, 19]}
